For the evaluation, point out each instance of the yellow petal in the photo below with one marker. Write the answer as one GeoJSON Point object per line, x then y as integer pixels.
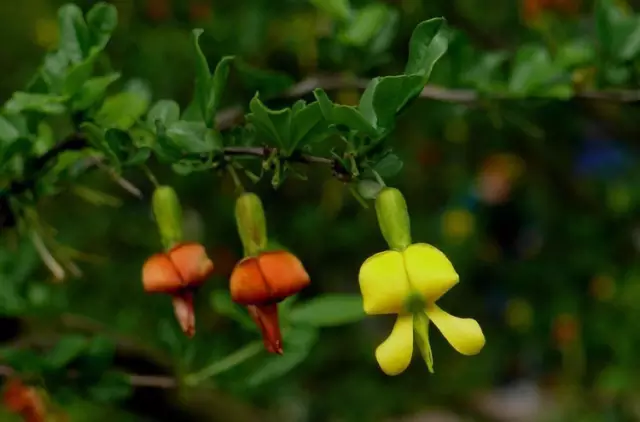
{"type": "Point", "coordinates": [464, 334]}
{"type": "Point", "coordinates": [383, 283]}
{"type": "Point", "coordinates": [394, 354]}
{"type": "Point", "coordinates": [429, 270]}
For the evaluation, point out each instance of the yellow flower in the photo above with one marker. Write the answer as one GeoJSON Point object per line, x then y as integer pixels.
{"type": "Point", "coordinates": [407, 280]}
{"type": "Point", "coordinates": [390, 280]}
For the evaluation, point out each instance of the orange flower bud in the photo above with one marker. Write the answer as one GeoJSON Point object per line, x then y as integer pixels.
{"type": "Point", "coordinates": [192, 263]}
{"type": "Point", "coordinates": [178, 272]}
{"type": "Point", "coordinates": [268, 278]}
{"type": "Point", "coordinates": [185, 265]}
{"type": "Point", "coordinates": [159, 275]}
{"type": "Point", "coordinates": [266, 318]}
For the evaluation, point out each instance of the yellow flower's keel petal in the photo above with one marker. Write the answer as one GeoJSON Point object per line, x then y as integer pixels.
{"type": "Point", "coordinates": [429, 270]}
{"type": "Point", "coordinates": [383, 283]}
{"type": "Point", "coordinates": [464, 334]}
{"type": "Point", "coordinates": [394, 354]}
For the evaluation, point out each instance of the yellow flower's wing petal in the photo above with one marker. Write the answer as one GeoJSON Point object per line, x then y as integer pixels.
{"type": "Point", "coordinates": [383, 283]}
{"type": "Point", "coordinates": [394, 354]}
{"type": "Point", "coordinates": [464, 334]}
{"type": "Point", "coordinates": [429, 270]}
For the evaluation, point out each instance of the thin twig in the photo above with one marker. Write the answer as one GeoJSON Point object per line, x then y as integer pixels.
{"type": "Point", "coordinates": [150, 381]}
{"type": "Point", "coordinates": [46, 256]}
{"type": "Point", "coordinates": [234, 115]}
{"type": "Point", "coordinates": [153, 381]}
{"type": "Point", "coordinates": [124, 183]}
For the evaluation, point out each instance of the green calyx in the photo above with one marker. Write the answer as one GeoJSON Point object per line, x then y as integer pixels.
{"type": "Point", "coordinates": [393, 218]}
{"type": "Point", "coordinates": [251, 222]}
{"type": "Point", "coordinates": [421, 331]}
{"type": "Point", "coordinates": [168, 213]}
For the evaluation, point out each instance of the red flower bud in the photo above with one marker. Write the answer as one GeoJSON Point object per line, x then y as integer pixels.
{"type": "Point", "coordinates": [266, 318]}
{"type": "Point", "coordinates": [267, 278]}
{"type": "Point", "coordinates": [178, 272]}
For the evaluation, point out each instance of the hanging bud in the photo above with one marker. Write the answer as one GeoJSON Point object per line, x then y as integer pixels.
{"type": "Point", "coordinates": [393, 218]}
{"type": "Point", "coordinates": [178, 273]}
{"type": "Point", "coordinates": [266, 318]}
{"type": "Point", "coordinates": [267, 278]}
{"type": "Point", "coordinates": [184, 266]}
{"type": "Point", "coordinates": [168, 213]}
{"type": "Point", "coordinates": [252, 226]}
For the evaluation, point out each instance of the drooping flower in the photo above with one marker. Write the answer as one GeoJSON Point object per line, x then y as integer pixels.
{"type": "Point", "coordinates": [180, 270]}
{"type": "Point", "coordinates": [263, 278]}
{"type": "Point", "coordinates": [408, 280]}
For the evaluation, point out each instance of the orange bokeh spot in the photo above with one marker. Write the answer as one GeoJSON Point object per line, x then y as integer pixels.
{"type": "Point", "coordinates": [25, 401]}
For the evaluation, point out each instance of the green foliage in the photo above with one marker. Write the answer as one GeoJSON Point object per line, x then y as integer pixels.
{"type": "Point", "coordinates": [328, 311]}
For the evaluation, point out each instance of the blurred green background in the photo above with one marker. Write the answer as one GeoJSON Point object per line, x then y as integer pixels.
{"type": "Point", "coordinates": [534, 201]}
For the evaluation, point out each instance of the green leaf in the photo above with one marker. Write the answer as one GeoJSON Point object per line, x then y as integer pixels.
{"type": "Point", "coordinates": [8, 132]}
{"type": "Point", "coordinates": [21, 146]}
{"type": "Point", "coordinates": [93, 91]}
{"type": "Point", "coordinates": [388, 166]}
{"type": "Point", "coordinates": [165, 148]}
{"type": "Point", "coordinates": [533, 70]}
{"type": "Point", "coordinates": [78, 74]}
{"type": "Point", "coordinates": [338, 9]}
{"type": "Point", "coordinates": [54, 71]}
{"type": "Point", "coordinates": [608, 16]}
{"type": "Point", "coordinates": [119, 142]}
{"type": "Point", "coordinates": [575, 54]}
{"type": "Point", "coordinates": [74, 33]}
{"type": "Point", "coordinates": [629, 39]}
{"type": "Point", "coordinates": [122, 110]}
{"type": "Point", "coordinates": [308, 126]}
{"type": "Point", "coordinates": [22, 361]}
{"type": "Point", "coordinates": [218, 84]}
{"type": "Point", "coordinates": [379, 45]}
{"type": "Point", "coordinates": [264, 81]}
{"type": "Point", "coordinates": [112, 386]}
{"type": "Point", "coordinates": [102, 20]}
{"type": "Point", "coordinates": [166, 112]}
{"type": "Point", "coordinates": [345, 116]}
{"type": "Point", "coordinates": [99, 355]}
{"type": "Point", "coordinates": [365, 107]}
{"type": "Point", "coordinates": [66, 350]}
{"type": "Point", "coordinates": [193, 137]}
{"type": "Point", "coordinates": [328, 311]}
{"type": "Point", "coordinates": [427, 45]}
{"type": "Point", "coordinates": [42, 103]}
{"type": "Point", "coordinates": [484, 73]}
{"type": "Point", "coordinates": [297, 344]}
{"type": "Point", "coordinates": [366, 24]}
{"type": "Point", "coordinates": [221, 302]}
{"type": "Point", "coordinates": [421, 331]}
{"type": "Point", "coordinates": [392, 94]}
{"type": "Point", "coordinates": [203, 73]}
{"type": "Point", "coordinates": [274, 124]}
{"type": "Point", "coordinates": [95, 135]}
